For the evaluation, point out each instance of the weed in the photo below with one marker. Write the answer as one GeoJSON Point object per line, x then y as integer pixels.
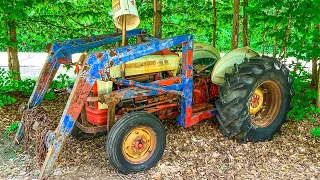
{"type": "Point", "coordinates": [303, 101]}
{"type": "Point", "coordinates": [11, 129]}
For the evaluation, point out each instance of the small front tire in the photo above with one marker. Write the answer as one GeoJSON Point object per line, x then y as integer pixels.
{"type": "Point", "coordinates": [136, 142]}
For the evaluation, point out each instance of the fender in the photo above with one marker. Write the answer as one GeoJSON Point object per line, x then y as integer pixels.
{"type": "Point", "coordinates": [226, 63]}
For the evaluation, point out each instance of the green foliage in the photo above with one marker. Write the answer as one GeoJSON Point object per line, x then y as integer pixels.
{"type": "Point", "coordinates": [8, 86]}
{"type": "Point", "coordinates": [304, 99]}
{"type": "Point", "coordinates": [315, 132]}
{"type": "Point", "coordinates": [42, 22]}
{"type": "Point", "coordinates": [63, 80]}
{"type": "Point", "coordinates": [11, 129]}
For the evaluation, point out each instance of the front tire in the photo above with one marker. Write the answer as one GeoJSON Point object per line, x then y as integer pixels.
{"type": "Point", "coordinates": [255, 99]}
{"type": "Point", "coordinates": [136, 142]}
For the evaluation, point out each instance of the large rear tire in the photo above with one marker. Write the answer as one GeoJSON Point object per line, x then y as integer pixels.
{"type": "Point", "coordinates": [255, 99]}
{"type": "Point", "coordinates": [136, 142]}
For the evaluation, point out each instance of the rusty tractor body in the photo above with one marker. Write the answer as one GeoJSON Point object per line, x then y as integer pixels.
{"type": "Point", "coordinates": [249, 94]}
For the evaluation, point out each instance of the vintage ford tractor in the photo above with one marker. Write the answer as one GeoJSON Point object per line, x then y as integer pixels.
{"type": "Point", "coordinates": [126, 92]}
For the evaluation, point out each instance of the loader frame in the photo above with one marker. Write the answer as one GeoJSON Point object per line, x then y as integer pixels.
{"type": "Point", "coordinates": [97, 67]}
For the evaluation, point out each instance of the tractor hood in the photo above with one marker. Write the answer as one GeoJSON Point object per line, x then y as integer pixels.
{"type": "Point", "coordinates": [148, 64]}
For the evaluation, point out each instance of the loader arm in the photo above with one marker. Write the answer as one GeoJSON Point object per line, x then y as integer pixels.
{"type": "Point", "coordinates": [60, 53]}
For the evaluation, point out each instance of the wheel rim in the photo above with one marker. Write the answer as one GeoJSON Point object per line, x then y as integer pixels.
{"type": "Point", "coordinates": [265, 103]}
{"type": "Point", "coordinates": [139, 144]}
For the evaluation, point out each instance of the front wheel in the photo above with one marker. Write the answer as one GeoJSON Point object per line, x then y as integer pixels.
{"type": "Point", "coordinates": [136, 142]}
{"type": "Point", "coordinates": [255, 99]}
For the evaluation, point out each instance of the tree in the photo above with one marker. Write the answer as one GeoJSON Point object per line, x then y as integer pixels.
{"type": "Point", "coordinates": [318, 100]}
{"type": "Point", "coordinates": [245, 39]}
{"type": "Point", "coordinates": [157, 18]}
{"type": "Point", "coordinates": [314, 59]}
{"type": "Point", "coordinates": [235, 24]}
{"type": "Point", "coordinates": [11, 12]}
{"type": "Point", "coordinates": [12, 50]}
{"type": "Point", "coordinates": [274, 52]}
{"type": "Point", "coordinates": [214, 32]}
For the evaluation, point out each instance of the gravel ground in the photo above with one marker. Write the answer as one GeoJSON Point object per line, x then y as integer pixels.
{"type": "Point", "coordinates": [199, 152]}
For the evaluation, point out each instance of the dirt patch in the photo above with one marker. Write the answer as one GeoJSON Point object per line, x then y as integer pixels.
{"type": "Point", "coordinates": [199, 152]}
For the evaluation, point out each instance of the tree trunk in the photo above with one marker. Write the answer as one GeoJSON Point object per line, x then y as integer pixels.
{"type": "Point", "coordinates": [286, 39]}
{"type": "Point", "coordinates": [275, 28]}
{"type": "Point", "coordinates": [264, 37]}
{"type": "Point", "coordinates": [157, 18]}
{"type": "Point", "coordinates": [315, 72]}
{"type": "Point", "coordinates": [235, 25]}
{"type": "Point", "coordinates": [296, 66]}
{"type": "Point", "coordinates": [245, 39]}
{"type": "Point", "coordinates": [314, 76]}
{"type": "Point", "coordinates": [214, 32]}
{"type": "Point", "coordinates": [12, 50]}
{"type": "Point", "coordinates": [318, 100]}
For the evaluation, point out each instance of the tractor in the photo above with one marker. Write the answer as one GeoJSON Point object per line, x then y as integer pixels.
{"type": "Point", "coordinates": [126, 91]}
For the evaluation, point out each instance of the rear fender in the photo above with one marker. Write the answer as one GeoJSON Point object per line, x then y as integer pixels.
{"type": "Point", "coordinates": [226, 63]}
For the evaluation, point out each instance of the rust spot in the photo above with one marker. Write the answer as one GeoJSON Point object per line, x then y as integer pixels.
{"type": "Point", "coordinates": [101, 72]}
{"type": "Point", "coordinates": [114, 35]}
{"type": "Point", "coordinates": [82, 90]}
{"type": "Point", "coordinates": [111, 63]}
{"type": "Point", "coordinates": [101, 37]}
{"type": "Point", "coordinates": [99, 55]}
{"type": "Point", "coordinates": [89, 39]}
{"type": "Point", "coordinates": [112, 53]}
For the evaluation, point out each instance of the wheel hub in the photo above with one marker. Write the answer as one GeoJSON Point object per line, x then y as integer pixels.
{"type": "Point", "coordinates": [256, 101]}
{"type": "Point", "coordinates": [139, 144]}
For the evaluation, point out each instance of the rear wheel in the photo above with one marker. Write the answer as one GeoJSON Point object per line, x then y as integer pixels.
{"type": "Point", "coordinates": [255, 99]}
{"type": "Point", "coordinates": [136, 142]}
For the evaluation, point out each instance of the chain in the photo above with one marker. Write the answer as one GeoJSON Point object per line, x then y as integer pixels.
{"type": "Point", "coordinates": [37, 114]}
